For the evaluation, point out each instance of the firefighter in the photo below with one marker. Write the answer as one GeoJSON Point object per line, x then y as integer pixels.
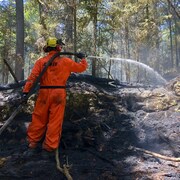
{"type": "Point", "coordinates": [48, 114]}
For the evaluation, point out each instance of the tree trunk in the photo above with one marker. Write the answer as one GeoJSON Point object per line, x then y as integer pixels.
{"type": "Point", "coordinates": [75, 30]}
{"type": "Point", "coordinates": [69, 19]}
{"type": "Point", "coordinates": [177, 33]}
{"type": "Point", "coordinates": [4, 55]}
{"type": "Point", "coordinates": [127, 40]}
{"type": "Point", "coordinates": [171, 39]}
{"type": "Point", "coordinates": [176, 45]}
{"type": "Point", "coordinates": [111, 52]}
{"type": "Point", "coordinates": [4, 74]}
{"type": "Point", "coordinates": [42, 16]}
{"type": "Point", "coordinates": [157, 41]}
{"type": "Point", "coordinates": [94, 39]}
{"type": "Point", "coordinates": [19, 64]}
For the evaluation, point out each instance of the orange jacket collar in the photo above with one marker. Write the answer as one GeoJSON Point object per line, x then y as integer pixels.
{"type": "Point", "coordinates": [52, 52]}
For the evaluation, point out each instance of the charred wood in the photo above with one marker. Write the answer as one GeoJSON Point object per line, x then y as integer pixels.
{"type": "Point", "coordinates": [104, 82]}
{"type": "Point", "coordinates": [12, 86]}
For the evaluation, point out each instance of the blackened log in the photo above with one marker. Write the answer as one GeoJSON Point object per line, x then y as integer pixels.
{"type": "Point", "coordinates": [85, 78]}
{"type": "Point", "coordinates": [105, 82]}
{"type": "Point", "coordinates": [12, 85]}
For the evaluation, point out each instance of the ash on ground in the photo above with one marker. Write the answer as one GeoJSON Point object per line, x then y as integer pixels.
{"type": "Point", "coordinates": [106, 134]}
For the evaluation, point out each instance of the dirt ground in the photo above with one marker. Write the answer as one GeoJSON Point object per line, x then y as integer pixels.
{"type": "Point", "coordinates": [105, 144]}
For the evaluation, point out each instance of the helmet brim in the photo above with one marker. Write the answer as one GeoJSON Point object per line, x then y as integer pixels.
{"type": "Point", "coordinates": [59, 41]}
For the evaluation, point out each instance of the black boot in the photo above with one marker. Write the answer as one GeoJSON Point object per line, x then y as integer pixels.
{"type": "Point", "coordinates": [48, 154]}
{"type": "Point", "coordinates": [30, 152]}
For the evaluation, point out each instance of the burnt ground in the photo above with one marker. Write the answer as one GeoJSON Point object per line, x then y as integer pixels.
{"type": "Point", "coordinates": [99, 144]}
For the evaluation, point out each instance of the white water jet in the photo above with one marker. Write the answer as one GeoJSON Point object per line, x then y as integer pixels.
{"type": "Point", "coordinates": [129, 70]}
{"type": "Point", "coordinates": [149, 70]}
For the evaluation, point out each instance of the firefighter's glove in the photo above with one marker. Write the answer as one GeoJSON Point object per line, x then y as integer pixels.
{"type": "Point", "coordinates": [80, 55]}
{"type": "Point", "coordinates": [24, 98]}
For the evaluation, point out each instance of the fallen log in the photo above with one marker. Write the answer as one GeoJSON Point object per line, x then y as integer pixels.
{"type": "Point", "coordinates": [109, 83]}
{"type": "Point", "coordinates": [9, 120]}
{"type": "Point", "coordinates": [12, 86]}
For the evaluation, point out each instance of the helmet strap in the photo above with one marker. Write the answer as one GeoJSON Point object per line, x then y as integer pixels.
{"type": "Point", "coordinates": [45, 49]}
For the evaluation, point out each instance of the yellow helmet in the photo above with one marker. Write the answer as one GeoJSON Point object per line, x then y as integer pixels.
{"type": "Point", "coordinates": [52, 42]}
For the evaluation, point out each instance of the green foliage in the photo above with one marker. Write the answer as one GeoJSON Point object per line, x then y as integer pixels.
{"type": "Point", "coordinates": [133, 29]}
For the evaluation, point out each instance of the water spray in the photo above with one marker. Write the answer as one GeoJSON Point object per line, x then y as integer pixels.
{"type": "Point", "coordinates": [150, 72]}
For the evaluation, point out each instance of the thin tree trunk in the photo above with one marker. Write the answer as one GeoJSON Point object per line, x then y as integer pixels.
{"type": "Point", "coordinates": [5, 56]}
{"type": "Point", "coordinates": [177, 33]}
{"type": "Point", "coordinates": [110, 63]}
{"type": "Point", "coordinates": [4, 74]}
{"type": "Point", "coordinates": [176, 45]}
{"type": "Point", "coordinates": [171, 43]}
{"type": "Point", "coordinates": [171, 39]}
{"type": "Point", "coordinates": [75, 30]}
{"type": "Point", "coordinates": [174, 8]}
{"type": "Point", "coordinates": [69, 19]}
{"type": "Point", "coordinates": [127, 40]}
{"type": "Point", "coordinates": [157, 42]}
{"type": "Point", "coordinates": [19, 64]}
{"type": "Point", "coordinates": [42, 18]}
{"type": "Point", "coordinates": [94, 39]}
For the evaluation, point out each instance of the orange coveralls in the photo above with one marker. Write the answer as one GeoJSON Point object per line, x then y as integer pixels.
{"type": "Point", "coordinates": [48, 114]}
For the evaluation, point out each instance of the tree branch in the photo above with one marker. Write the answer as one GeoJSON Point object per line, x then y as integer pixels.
{"type": "Point", "coordinates": [167, 158]}
{"type": "Point", "coordinates": [173, 7]}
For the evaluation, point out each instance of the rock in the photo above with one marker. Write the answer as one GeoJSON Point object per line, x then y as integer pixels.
{"type": "Point", "coordinates": [176, 88]}
{"type": "Point", "coordinates": [160, 101]}
{"type": "Point", "coordinates": [174, 85]}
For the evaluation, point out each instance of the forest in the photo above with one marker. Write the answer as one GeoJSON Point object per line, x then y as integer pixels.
{"type": "Point", "coordinates": [146, 31]}
{"type": "Point", "coordinates": [121, 115]}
